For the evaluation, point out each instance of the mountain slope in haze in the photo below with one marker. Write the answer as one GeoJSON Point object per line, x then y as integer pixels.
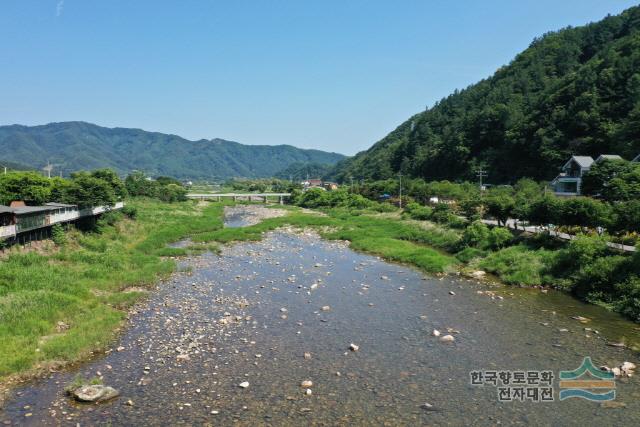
{"type": "Point", "coordinates": [79, 145]}
{"type": "Point", "coordinates": [12, 166]}
{"type": "Point", "coordinates": [302, 171]}
{"type": "Point", "coordinates": [574, 91]}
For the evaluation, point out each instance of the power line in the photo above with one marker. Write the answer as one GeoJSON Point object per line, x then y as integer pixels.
{"type": "Point", "coordinates": [400, 177]}
{"type": "Point", "coordinates": [481, 174]}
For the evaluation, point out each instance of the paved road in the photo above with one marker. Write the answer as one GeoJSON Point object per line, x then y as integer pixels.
{"type": "Point", "coordinates": [536, 229]}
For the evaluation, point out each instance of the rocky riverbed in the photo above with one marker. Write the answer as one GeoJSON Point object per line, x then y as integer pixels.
{"type": "Point", "coordinates": [294, 330]}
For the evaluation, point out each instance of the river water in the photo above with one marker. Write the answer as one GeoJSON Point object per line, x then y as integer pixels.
{"type": "Point", "coordinates": [251, 314]}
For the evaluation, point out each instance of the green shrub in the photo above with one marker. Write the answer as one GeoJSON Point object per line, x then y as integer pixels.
{"type": "Point", "coordinates": [476, 235]}
{"type": "Point", "coordinates": [454, 221]}
{"type": "Point", "coordinates": [579, 253]}
{"type": "Point", "coordinates": [628, 302]}
{"type": "Point", "coordinates": [468, 254]}
{"type": "Point", "coordinates": [517, 265]}
{"type": "Point", "coordinates": [441, 213]}
{"type": "Point", "coordinates": [499, 237]}
{"type": "Point", "coordinates": [58, 235]}
{"type": "Point", "coordinates": [130, 212]}
{"type": "Point", "coordinates": [418, 212]}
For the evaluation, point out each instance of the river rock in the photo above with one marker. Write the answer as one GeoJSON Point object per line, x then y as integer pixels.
{"type": "Point", "coordinates": [94, 393]}
{"type": "Point", "coordinates": [244, 384]}
{"type": "Point", "coordinates": [581, 319]}
{"type": "Point", "coordinates": [447, 339]}
{"type": "Point", "coordinates": [326, 308]}
{"type": "Point", "coordinates": [627, 367]}
{"type": "Point", "coordinates": [306, 384]}
{"type": "Point", "coordinates": [435, 333]}
{"type": "Point", "coordinates": [354, 347]}
{"type": "Point", "coordinates": [478, 274]}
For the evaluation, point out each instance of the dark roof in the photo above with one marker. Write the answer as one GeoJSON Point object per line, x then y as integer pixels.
{"type": "Point", "coordinates": [583, 161]}
{"type": "Point", "coordinates": [32, 209]}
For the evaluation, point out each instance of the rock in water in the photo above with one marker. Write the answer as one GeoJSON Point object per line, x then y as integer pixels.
{"type": "Point", "coordinates": [95, 393]}
{"type": "Point", "coordinates": [244, 384]}
{"type": "Point", "coordinates": [354, 347]}
{"type": "Point", "coordinates": [447, 338]}
{"type": "Point", "coordinates": [435, 333]}
{"type": "Point", "coordinates": [306, 384]}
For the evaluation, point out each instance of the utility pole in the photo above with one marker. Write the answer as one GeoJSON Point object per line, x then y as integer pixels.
{"type": "Point", "coordinates": [481, 174]}
{"type": "Point", "coordinates": [400, 177]}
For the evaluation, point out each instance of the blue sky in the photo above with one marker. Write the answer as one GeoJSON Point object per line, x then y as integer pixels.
{"type": "Point", "coordinates": [334, 75]}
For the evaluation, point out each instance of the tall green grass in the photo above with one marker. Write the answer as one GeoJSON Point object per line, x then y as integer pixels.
{"type": "Point", "coordinates": [81, 284]}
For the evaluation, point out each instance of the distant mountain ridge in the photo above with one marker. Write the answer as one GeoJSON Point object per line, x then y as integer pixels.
{"type": "Point", "coordinates": [76, 146]}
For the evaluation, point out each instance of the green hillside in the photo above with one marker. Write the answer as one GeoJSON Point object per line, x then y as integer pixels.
{"type": "Point", "coordinates": [574, 91]}
{"type": "Point", "coordinates": [300, 171]}
{"type": "Point", "coordinates": [79, 146]}
{"type": "Point", "coordinates": [13, 166]}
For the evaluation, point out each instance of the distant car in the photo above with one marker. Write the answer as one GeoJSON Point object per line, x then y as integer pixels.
{"type": "Point", "coordinates": [385, 197]}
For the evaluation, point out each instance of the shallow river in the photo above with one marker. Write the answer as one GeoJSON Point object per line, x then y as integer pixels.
{"type": "Point", "coordinates": [251, 314]}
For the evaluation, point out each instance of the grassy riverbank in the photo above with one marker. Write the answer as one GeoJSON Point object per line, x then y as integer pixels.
{"type": "Point", "coordinates": [62, 305]}
{"type": "Point", "coordinates": [59, 306]}
{"type": "Point", "coordinates": [387, 237]}
{"type": "Point", "coordinates": [585, 267]}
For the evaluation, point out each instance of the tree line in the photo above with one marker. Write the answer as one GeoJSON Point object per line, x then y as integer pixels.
{"type": "Point", "coordinates": [102, 187]}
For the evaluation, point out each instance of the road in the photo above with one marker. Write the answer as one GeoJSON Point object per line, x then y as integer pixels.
{"type": "Point", "coordinates": [511, 223]}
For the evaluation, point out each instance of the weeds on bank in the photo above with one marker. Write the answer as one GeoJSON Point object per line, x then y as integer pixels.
{"type": "Point", "coordinates": [66, 304]}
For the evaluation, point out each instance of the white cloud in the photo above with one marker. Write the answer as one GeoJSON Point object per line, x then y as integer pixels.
{"type": "Point", "coordinates": [59, 7]}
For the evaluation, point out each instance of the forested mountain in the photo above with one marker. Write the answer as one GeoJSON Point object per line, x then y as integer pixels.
{"type": "Point", "coordinates": [13, 166]}
{"type": "Point", "coordinates": [79, 146]}
{"type": "Point", "coordinates": [574, 91]}
{"type": "Point", "coordinates": [300, 171]}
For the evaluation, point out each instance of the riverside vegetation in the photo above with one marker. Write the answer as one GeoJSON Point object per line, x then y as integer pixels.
{"type": "Point", "coordinates": [63, 305]}
{"type": "Point", "coordinates": [586, 266]}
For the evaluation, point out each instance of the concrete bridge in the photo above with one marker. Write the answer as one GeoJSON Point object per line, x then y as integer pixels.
{"type": "Point", "coordinates": [262, 197]}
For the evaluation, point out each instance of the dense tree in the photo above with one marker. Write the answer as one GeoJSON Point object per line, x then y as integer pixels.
{"type": "Point", "coordinates": [543, 211]}
{"type": "Point", "coordinates": [584, 212]}
{"type": "Point", "coordinates": [87, 191]}
{"type": "Point", "coordinates": [138, 184]}
{"type": "Point", "coordinates": [30, 187]}
{"type": "Point", "coordinates": [574, 91]}
{"type": "Point", "coordinates": [626, 216]}
{"type": "Point", "coordinates": [114, 181]}
{"type": "Point", "coordinates": [500, 204]}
